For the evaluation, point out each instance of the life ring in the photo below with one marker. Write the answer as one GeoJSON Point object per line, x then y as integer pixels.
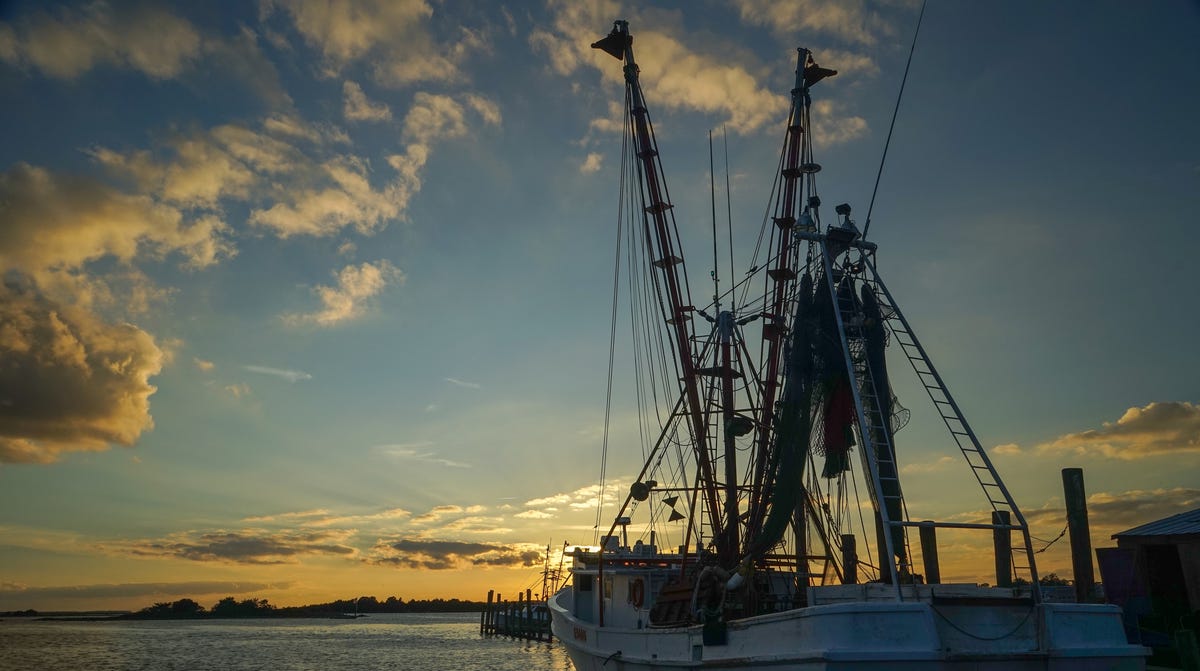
{"type": "Point", "coordinates": [637, 593]}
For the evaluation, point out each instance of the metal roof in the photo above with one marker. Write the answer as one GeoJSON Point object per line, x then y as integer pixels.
{"type": "Point", "coordinates": [1183, 524]}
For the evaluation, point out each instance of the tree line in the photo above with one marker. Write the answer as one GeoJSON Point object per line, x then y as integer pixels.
{"type": "Point", "coordinates": [254, 607]}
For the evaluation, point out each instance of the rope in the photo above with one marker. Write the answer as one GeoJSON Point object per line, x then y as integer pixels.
{"type": "Point", "coordinates": [895, 112]}
{"type": "Point", "coordinates": [612, 337]}
{"type": "Point", "coordinates": [1056, 539]}
{"type": "Point", "coordinates": [968, 634]}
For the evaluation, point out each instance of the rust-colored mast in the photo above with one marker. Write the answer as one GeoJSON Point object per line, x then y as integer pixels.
{"type": "Point", "coordinates": [668, 258]}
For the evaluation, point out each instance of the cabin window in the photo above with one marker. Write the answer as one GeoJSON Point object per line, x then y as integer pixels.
{"type": "Point", "coordinates": [608, 587]}
{"type": "Point", "coordinates": [583, 583]}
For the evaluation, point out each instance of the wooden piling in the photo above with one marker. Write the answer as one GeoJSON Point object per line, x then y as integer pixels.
{"type": "Point", "coordinates": [849, 560]}
{"type": "Point", "coordinates": [929, 553]}
{"type": "Point", "coordinates": [1080, 533]}
{"type": "Point", "coordinates": [1002, 540]}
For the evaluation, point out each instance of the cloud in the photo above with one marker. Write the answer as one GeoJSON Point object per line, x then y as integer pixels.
{"type": "Point", "coordinates": [289, 375]}
{"type": "Point", "coordinates": [1007, 449]}
{"type": "Point", "coordinates": [356, 106]}
{"type": "Point", "coordinates": [1160, 428]}
{"type": "Point", "coordinates": [55, 223]}
{"type": "Point", "coordinates": [393, 36]}
{"type": "Point", "coordinates": [846, 20]}
{"type": "Point", "coordinates": [463, 383]}
{"type": "Point", "coordinates": [350, 298]}
{"type": "Point", "coordinates": [534, 515]}
{"type": "Point", "coordinates": [437, 512]}
{"type": "Point", "coordinates": [935, 466]}
{"type": "Point", "coordinates": [248, 546]}
{"type": "Point", "coordinates": [237, 390]}
{"type": "Point", "coordinates": [202, 365]}
{"type": "Point", "coordinates": [441, 554]}
{"type": "Point", "coordinates": [410, 452]}
{"type": "Point", "coordinates": [831, 126]}
{"type": "Point", "coordinates": [591, 164]}
{"type": "Point", "coordinates": [288, 516]}
{"type": "Point", "coordinates": [584, 497]}
{"type": "Point", "coordinates": [69, 42]}
{"type": "Point", "coordinates": [136, 589]}
{"type": "Point", "coordinates": [674, 75]}
{"type": "Point", "coordinates": [69, 381]}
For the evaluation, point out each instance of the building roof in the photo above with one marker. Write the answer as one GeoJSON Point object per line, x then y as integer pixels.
{"type": "Point", "coordinates": [1183, 524]}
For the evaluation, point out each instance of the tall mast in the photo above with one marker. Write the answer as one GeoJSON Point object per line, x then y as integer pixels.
{"type": "Point", "coordinates": [797, 164]}
{"type": "Point", "coordinates": [668, 257]}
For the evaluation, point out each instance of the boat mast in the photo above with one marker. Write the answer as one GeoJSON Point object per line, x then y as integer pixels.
{"type": "Point", "coordinates": [667, 255]}
{"type": "Point", "coordinates": [796, 165]}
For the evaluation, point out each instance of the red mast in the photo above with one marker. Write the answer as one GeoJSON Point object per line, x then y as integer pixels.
{"type": "Point", "coordinates": [661, 234]}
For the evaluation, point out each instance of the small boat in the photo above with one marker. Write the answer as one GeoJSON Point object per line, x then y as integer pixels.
{"type": "Point", "coordinates": [770, 527]}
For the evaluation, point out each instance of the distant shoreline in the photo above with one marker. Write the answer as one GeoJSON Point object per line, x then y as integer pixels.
{"type": "Point", "coordinates": [230, 609]}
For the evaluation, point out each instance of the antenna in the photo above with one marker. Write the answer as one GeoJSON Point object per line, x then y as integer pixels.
{"type": "Point", "coordinates": [712, 188]}
{"type": "Point", "coordinates": [886, 143]}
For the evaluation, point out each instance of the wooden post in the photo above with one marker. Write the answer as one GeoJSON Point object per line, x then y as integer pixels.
{"type": "Point", "coordinates": [1081, 537]}
{"type": "Point", "coordinates": [849, 560]}
{"type": "Point", "coordinates": [484, 615]}
{"type": "Point", "coordinates": [1002, 540]}
{"type": "Point", "coordinates": [885, 562]}
{"type": "Point", "coordinates": [528, 612]}
{"type": "Point", "coordinates": [929, 555]}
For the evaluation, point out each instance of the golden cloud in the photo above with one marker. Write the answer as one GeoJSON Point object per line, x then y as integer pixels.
{"type": "Point", "coordinates": [71, 41]}
{"type": "Point", "coordinates": [1159, 428]}
{"type": "Point", "coordinates": [69, 381]}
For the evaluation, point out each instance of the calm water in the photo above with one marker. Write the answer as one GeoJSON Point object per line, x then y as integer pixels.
{"type": "Point", "coordinates": [435, 642]}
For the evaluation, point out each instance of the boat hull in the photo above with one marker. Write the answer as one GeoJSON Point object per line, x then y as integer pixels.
{"type": "Point", "coordinates": [867, 635]}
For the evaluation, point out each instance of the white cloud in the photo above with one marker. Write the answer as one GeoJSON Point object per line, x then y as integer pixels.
{"type": "Point", "coordinates": [592, 163]}
{"type": "Point", "coordinates": [349, 299]}
{"type": "Point", "coordinates": [282, 373]}
{"type": "Point", "coordinates": [1007, 449]}
{"type": "Point", "coordinates": [534, 515]}
{"type": "Point", "coordinates": [413, 452]}
{"type": "Point", "coordinates": [356, 106]}
{"type": "Point", "coordinates": [203, 365]}
{"type": "Point", "coordinates": [463, 383]}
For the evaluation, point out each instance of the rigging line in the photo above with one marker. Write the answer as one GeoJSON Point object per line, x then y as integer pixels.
{"type": "Point", "coordinates": [712, 187]}
{"type": "Point", "coordinates": [895, 112]}
{"type": "Point", "coordinates": [729, 211]}
{"type": "Point", "coordinates": [612, 339]}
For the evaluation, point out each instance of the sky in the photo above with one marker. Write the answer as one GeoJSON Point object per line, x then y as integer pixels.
{"type": "Point", "coordinates": [306, 301]}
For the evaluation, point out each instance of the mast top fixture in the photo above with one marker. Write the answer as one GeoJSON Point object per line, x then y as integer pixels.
{"type": "Point", "coordinates": [617, 42]}
{"type": "Point", "coordinates": [813, 73]}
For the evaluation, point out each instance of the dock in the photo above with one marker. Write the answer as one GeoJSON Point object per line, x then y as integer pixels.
{"type": "Point", "coordinates": [523, 618]}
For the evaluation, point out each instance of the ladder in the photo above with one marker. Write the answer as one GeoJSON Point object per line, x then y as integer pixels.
{"type": "Point", "coordinates": [879, 447]}
{"type": "Point", "coordinates": [981, 466]}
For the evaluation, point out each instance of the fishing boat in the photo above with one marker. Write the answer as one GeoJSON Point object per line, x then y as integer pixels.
{"type": "Point", "coordinates": [769, 525]}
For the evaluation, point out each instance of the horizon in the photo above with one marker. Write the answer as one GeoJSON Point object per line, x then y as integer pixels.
{"type": "Point", "coordinates": [301, 302]}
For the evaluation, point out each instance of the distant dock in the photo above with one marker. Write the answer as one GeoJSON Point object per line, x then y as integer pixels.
{"type": "Point", "coordinates": [523, 618]}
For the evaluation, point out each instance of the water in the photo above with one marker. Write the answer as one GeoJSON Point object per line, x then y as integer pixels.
{"type": "Point", "coordinates": [403, 642]}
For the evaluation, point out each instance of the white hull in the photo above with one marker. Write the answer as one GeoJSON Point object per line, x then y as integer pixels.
{"type": "Point", "coordinates": [893, 635]}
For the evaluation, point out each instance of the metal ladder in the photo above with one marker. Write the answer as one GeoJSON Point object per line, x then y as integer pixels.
{"type": "Point", "coordinates": [993, 487]}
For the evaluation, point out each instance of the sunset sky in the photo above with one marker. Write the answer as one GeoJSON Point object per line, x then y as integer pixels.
{"type": "Point", "coordinates": [305, 302]}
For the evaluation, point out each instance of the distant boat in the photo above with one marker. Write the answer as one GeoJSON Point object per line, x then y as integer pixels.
{"type": "Point", "coordinates": [757, 406]}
